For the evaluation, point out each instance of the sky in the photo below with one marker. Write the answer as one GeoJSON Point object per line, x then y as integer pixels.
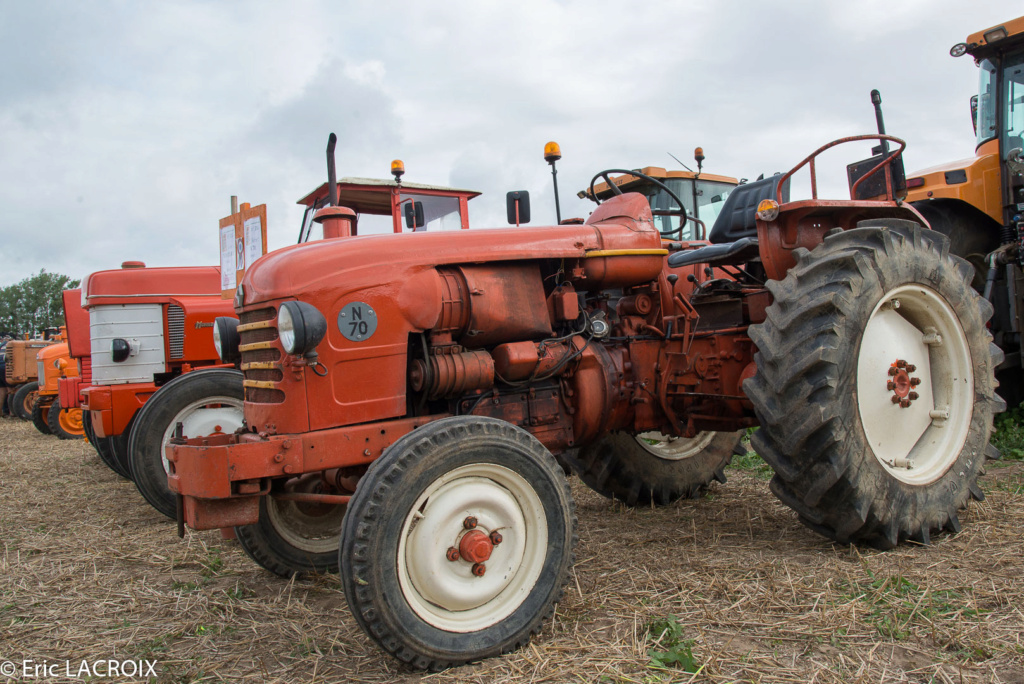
{"type": "Point", "coordinates": [125, 127]}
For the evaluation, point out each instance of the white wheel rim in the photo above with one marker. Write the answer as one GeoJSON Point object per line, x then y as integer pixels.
{"type": "Point", "coordinates": [672, 448]}
{"type": "Point", "coordinates": [445, 593]}
{"type": "Point", "coordinates": [199, 419]}
{"type": "Point", "coordinates": [916, 444]}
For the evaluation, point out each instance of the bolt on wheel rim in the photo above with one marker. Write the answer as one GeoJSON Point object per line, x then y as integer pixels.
{"type": "Point", "coordinates": [915, 429]}
{"type": "Point", "coordinates": [447, 594]}
{"type": "Point", "coordinates": [310, 528]}
{"type": "Point", "coordinates": [672, 448]}
{"type": "Point", "coordinates": [71, 421]}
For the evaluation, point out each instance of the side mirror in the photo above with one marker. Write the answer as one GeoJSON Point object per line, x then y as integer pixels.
{"type": "Point", "coordinates": [517, 206]}
{"type": "Point", "coordinates": [974, 113]}
{"type": "Point", "coordinates": [414, 215]}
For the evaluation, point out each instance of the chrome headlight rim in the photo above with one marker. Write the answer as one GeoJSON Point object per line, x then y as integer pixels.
{"type": "Point", "coordinates": [226, 339]}
{"type": "Point", "coordinates": [300, 327]}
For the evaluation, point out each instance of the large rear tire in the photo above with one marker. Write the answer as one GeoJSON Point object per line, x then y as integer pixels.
{"type": "Point", "coordinates": [65, 423]}
{"type": "Point", "coordinates": [458, 542]}
{"type": "Point", "coordinates": [25, 400]}
{"type": "Point", "coordinates": [205, 402]}
{"type": "Point", "coordinates": [41, 414]}
{"type": "Point", "coordinates": [875, 387]}
{"type": "Point", "coordinates": [654, 468]}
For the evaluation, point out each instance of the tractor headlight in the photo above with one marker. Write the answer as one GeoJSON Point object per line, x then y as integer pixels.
{"type": "Point", "coordinates": [226, 339]}
{"type": "Point", "coordinates": [301, 327]}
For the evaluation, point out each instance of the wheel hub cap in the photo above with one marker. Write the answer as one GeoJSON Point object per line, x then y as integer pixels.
{"type": "Point", "coordinates": [475, 546]}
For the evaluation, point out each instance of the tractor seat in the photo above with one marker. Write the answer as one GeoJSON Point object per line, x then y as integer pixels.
{"type": "Point", "coordinates": [734, 236]}
{"type": "Point", "coordinates": [738, 252]}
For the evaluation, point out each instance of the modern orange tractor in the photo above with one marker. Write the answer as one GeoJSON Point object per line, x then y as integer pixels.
{"type": "Point", "coordinates": [21, 374]}
{"type": "Point", "coordinates": [419, 385]}
{"type": "Point", "coordinates": [979, 202]}
{"type": "Point", "coordinates": [49, 417]}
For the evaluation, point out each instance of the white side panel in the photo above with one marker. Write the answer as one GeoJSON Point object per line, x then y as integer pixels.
{"type": "Point", "coordinates": [142, 326]}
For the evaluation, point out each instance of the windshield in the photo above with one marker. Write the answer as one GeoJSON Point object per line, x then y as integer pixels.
{"type": "Point", "coordinates": [986, 121]}
{"type": "Point", "coordinates": [710, 198]}
{"type": "Point", "coordinates": [1013, 90]}
{"type": "Point", "coordinates": [439, 213]}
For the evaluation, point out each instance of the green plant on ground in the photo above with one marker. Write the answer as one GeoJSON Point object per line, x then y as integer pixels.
{"type": "Point", "coordinates": [1008, 436]}
{"type": "Point", "coordinates": [669, 649]}
{"type": "Point", "coordinates": [750, 461]}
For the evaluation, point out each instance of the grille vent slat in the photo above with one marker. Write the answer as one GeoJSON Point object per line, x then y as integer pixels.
{"type": "Point", "coordinates": [261, 395]}
{"type": "Point", "coordinates": [176, 331]}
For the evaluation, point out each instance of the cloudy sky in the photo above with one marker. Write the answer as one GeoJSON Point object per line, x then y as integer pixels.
{"type": "Point", "coordinates": [125, 127]}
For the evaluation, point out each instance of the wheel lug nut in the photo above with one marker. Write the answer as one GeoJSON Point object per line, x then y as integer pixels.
{"type": "Point", "coordinates": [895, 399]}
{"type": "Point", "coordinates": [914, 382]}
{"type": "Point", "coordinates": [912, 396]}
{"type": "Point", "coordinates": [453, 553]}
{"type": "Point", "coordinates": [905, 403]}
{"type": "Point", "coordinates": [901, 363]}
{"type": "Point", "coordinates": [892, 370]}
{"type": "Point", "coordinates": [479, 569]}
{"type": "Point", "coordinates": [470, 522]}
{"type": "Point", "coordinates": [911, 368]}
{"type": "Point", "coordinates": [890, 385]}
{"type": "Point", "coordinates": [495, 537]}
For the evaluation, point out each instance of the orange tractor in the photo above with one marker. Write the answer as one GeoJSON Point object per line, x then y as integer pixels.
{"type": "Point", "coordinates": [21, 374]}
{"type": "Point", "coordinates": [979, 203]}
{"type": "Point", "coordinates": [415, 388]}
{"type": "Point", "coordinates": [48, 415]}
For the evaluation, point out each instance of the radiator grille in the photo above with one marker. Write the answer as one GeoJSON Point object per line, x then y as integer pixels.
{"type": "Point", "coordinates": [9, 369]}
{"type": "Point", "coordinates": [261, 395]}
{"type": "Point", "coordinates": [176, 331]}
{"type": "Point", "coordinates": [85, 370]}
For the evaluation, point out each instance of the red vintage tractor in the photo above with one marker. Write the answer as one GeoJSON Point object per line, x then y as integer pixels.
{"type": "Point", "coordinates": [416, 387]}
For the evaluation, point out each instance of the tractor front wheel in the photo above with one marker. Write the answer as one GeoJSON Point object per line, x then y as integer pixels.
{"type": "Point", "coordinates": [654, 468]}
{"type": "Point", "coordinates": [204, 402]}
{"type": "Point", "coordinates": [458, 542]}
{"type": "Point", "coordinates": [65, 423]}
{"type": "Point", "coordinates": [875, 385]}
{"type": "Point", "coordinates": [25, 400]}
{"type": "Point", "coordinates": [41, 414]}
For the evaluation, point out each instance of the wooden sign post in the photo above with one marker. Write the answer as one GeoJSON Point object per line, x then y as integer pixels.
{"type": "Point", "coordinates": [243, 240]}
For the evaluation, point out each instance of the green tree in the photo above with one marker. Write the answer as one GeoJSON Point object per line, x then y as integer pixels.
{"type": "Point", "coordinates": [34, 304]}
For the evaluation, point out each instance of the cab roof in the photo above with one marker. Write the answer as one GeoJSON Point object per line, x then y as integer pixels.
{"type": "Point", "coordinates": [373, 195]}
{"type": "Point", "coordinates": [976, 42]}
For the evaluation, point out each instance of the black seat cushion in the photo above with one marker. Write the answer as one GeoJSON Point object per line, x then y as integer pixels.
{"type": "Point", "coordinates": [736, 220]}
{"type": "Point", "coordinates": [739, 252]}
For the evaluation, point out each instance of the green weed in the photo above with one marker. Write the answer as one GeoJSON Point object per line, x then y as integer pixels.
{"type": "Point", "coordinates": [670, 650]}
{"type": "Point", "coordinates": [1008, 435]}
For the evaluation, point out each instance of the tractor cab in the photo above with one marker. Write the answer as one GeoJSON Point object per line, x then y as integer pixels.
{"type": "Point", "coordinates": [703, 196]}
{"type": "Point", "coordinates": [383, 206]}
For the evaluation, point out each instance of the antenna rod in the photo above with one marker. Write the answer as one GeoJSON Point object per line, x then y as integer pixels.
{"type": "Point", "coordinates": [332, 175]}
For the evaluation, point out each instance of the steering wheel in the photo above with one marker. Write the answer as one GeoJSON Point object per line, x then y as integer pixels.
{"type": "Point", "coordinates": [615, 190]}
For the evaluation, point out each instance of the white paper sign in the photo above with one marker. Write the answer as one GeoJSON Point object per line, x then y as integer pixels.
{"type": "Point", "coordinates": [227, 258]}
{"type": "Point", "coordinates": [253, 232]}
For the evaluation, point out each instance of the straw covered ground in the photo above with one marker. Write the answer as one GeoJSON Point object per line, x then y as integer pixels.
{"type": "Point", "coordinates": [726, 588]}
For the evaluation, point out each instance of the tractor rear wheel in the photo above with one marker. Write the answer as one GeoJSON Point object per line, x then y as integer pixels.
{"type": "Point", "coordinates": [294, 538]}
{"type": "Point", "coordinates": [458, 542]}
{"type": "Point", "coordinates": [41, 414]}
{"type": "Point", "coordinates": [204, 402]}
{"type": "Point", "coordinates": [875, 387]}
{"type": "Point", "coordinates": [65, 423]}
{"type": "Point", "coordinates": [654, 468]}
{"type": "Point", "coordinates": [25, 400]}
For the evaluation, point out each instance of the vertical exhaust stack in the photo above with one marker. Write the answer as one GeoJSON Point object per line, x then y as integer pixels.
{"type": "Point", "coordinates": [337, 221]}
{"type": "Point", "coordinates": [876, 100]}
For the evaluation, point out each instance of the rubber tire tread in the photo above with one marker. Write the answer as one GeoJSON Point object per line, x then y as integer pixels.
{"type": "Point", "coordinates": [21, 405]}
{"type": "Point", "coordinates": [617, 467]}
{"type": "Point", "coordinates": [804, 391]}
{"type": "Point", "coordinates": [102, 448]}
{"type": "Point", "coordinates": [56, 428]}
{"type": "Point", "coordinates": [41, 415]}
{"type": "Point", "coordinates": [145, 464]}
{"type": "Point", "coordinates": [426, 450]}
{"type": "Point", "coordinates": [264, 545]}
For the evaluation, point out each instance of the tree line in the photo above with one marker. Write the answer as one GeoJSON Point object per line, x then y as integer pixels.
{"type": "Point", "coordinates": [33, 304]}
